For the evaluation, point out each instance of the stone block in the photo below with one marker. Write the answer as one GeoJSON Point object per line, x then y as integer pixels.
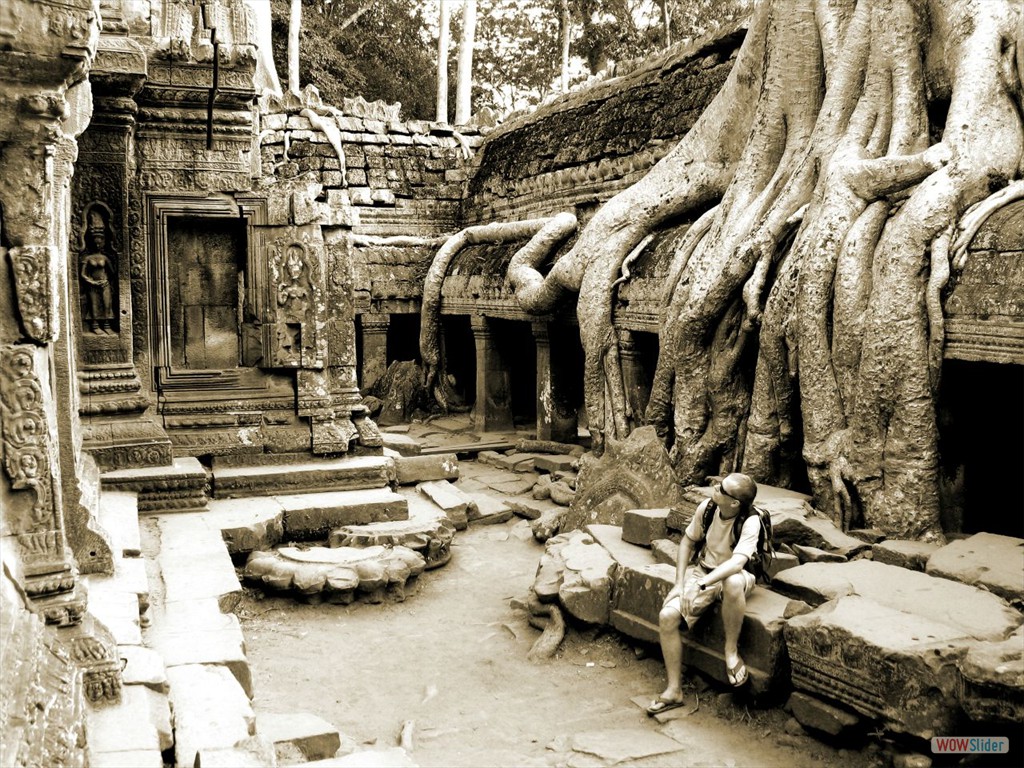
{"type": "Point", "coordinates": [624, 553]}
{"type": "Point", "coordinates": [816, 715]}
{"type": "Point", "coordinates": [311, 476]}
{"type": "Point", "coordinates": [587, 577]}
{"type": "Point", "coordinates": [623, 745]}
{"type": "Point", "coordinates": [993, 681]}
{"type": "Point", "coordinates": [126, 726]}
{"type": "Point", "coordinates": [554, 463]}
{"type": "Point", "coordinates": [452, 500]}
{"type": "Point", "coordinates": [883, 663]}
{"type": "Point", "coordinates": [974, 612]}
{"type": "Point", "coordinates": [313, 515]}
{"type": "Point", "coordinates": [312, 736]}
{"type": "Point", "coordinates": [190, 578]}
{"type": "Point", "coordinates": [906, 554]}
{"type": "Point", "coordinates": [222, 646]}
{"type": "Point", "coordinates": [489, 510]}
{"type": "Point", "coordinates": [247, 524]}
{"type": "Point", "coordinates": [417, 469]}
{"type": "Point", "coordinates": [665, 551]}
{"type": "Point", "coordinates": [638, 595]}
{"type": "Point", "coordinates": [811, 531]}
{"type": "Point", "coordinates": [806, 554]}
{"type": "Point", "coordinates": [143, 666]}
{"type": "Point", "coordinates": [211, 711]}
{"type": "Point", "coordinates": [641, 526]}
{"type": "Point", "coordinates": [403, 444]}
{"type": "Point", "coordinates": [531, 508]}
{"type": "Point", "coordinates": [430, 537]}
{"type": "Point", "coordinates": [141, 758]}
{"type": "Point", "coordinates": [781, 562]}
{"type": "Point", "coordinates": [118, 611]}
{"type": "Point", "coordinates": [254, 752]}
{"type": "Point", "coordinates": [985, 560]}
{"type": "Point", "coordinates": [119, 516]}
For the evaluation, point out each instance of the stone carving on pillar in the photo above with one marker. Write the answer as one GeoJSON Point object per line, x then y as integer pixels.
{"type": "Point", "coordinates": [97, 273]}
{"type": "Point", "coordinates": [294, 262]}
{"type": "Point", "coordinates": [375, 347]}
{"type": "Point", "coordinates": [34, 269]}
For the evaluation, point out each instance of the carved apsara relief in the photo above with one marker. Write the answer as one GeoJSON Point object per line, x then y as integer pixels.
{"type": "Point", "coordinates": [97, 273]}
{"type": "Point", "coordinates": [297, 301]}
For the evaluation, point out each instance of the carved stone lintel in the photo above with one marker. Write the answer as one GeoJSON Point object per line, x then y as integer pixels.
{"type": "Point", "coordinates": [35, 285]}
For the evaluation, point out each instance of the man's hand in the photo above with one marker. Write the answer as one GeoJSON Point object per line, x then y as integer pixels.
{"type": "Point", "coordinates": [689, 595]}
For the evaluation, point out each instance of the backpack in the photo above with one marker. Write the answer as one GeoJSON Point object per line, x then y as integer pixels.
{"type": "Point", "coordinates": [765, 552]}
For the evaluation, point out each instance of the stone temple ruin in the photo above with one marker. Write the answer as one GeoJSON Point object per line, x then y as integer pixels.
{"type": "Point", "coordinates": [200, 284]}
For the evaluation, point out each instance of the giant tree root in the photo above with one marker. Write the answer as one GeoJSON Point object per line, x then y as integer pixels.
{"type": "Point", "coordinates": [552, 629]}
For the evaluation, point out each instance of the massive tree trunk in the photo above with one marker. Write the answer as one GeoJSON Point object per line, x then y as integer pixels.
{"type": "Point", "coordinates": [826, 179]}
{"type": "Point", "coordinates": [464, 89]}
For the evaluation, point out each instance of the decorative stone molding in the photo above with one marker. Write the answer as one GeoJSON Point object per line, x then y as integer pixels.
{"type": "Point", "coordinates": [34, 268]}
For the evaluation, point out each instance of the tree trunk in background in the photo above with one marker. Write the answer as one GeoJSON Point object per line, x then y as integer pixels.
{"type": "Point", "coordinates": [564, 39]}
{"type": "Point", "coordinates": [464, 94]}
{"type": "Point", "coordinates": [442, 62]}
{"type": "Point", "coordinates": [666, 20]}
{"type": "Point", "coordinates": [294, 24]}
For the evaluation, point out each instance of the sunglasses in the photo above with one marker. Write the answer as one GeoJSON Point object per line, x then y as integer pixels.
{"type": "Point", "coordinates": [724, 492]}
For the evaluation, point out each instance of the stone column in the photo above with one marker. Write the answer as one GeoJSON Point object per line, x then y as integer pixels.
{"type": "Point", "coordinates": [556, 418]}
{"type": "Point", "coordinates": [493, 407]}
{"type": "Point", "coordinates": [634, 379]}
{"type": "Point", "coordinates": [375, 347]}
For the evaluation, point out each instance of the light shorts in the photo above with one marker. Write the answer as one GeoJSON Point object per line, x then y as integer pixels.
{"type": "Point", "coordinates": [703, 600]}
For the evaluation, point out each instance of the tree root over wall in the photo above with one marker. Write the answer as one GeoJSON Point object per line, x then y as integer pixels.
{"type": "Point", "coordinates": [553, 628]}
{"type": "Point", "coordinates": [803, 315]}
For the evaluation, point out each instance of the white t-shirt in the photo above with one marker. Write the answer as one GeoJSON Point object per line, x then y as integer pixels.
{"type": "Point", "coordinates": [719, 547]}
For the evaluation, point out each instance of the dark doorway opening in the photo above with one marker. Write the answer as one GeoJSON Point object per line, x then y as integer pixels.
{"type": "Point", "coordinates": [460, 356]}
{"type": "Point", "coordinates": [404, 337]}
{"type": "Point", "coordinates": [518, 350]}
{"type": "Point", "coordinates": [981, 445]}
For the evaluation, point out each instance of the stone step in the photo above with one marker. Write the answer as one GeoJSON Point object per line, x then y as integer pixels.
{"type": "Point", "coordinates": [312, 476]}
{"type": "Point", "coordinates": [299, 737]}
{"type": "Point", "coordinates": [119, 517]}
{"type": "Point", "coordinates": [211, 712]}
{"type": "Point", "coordinates": [194, 562]}
{"type": "Point", "coordinates": [132, 732]}
{"type": "Point", "coordinates": [180, 487]}
{"type": "Point", "coordinates": [987, 560]}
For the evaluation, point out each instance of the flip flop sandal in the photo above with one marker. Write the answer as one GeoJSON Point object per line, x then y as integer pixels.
{"type": "Point", "coordinates": [663, 705]}
{"type": "Point", "coordinates": [737, 675]}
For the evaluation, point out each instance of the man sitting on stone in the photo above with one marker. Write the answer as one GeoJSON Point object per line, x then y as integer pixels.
{"type": "Point", "coordinates": [716, 574]}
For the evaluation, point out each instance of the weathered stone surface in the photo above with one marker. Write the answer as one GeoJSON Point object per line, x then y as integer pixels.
{"type": "Point", "coordinates": [531, 509]}
{"type": "Point", "coordinates": [430, 537]}
{"type": "Point", "coordinates": [642, 526]}
{"type": "Point", "coordinates": [313, 515]}
{"type": "Point", "coordinates": [417, 469]}
{"type": "Point", "coordinates": [125, 726]}
{"type": "Point", "coordinates": [906, 554]}
{"type": "Point", "coordinates": [211, 711]}
{"type": "Point", "coordinates": [781, 562]}
{"type": "Point", "coordinates": [587, 576]}
{"type": "Point", "coordinates": [638, 595]}
{"type": "Point", "coordinates": [313, 476]}
{"type": "Point", "coordinates": [488, 510]}
{"type": "Point", "coordinates": [143, 758]}
{"type": "Point", "coordinates": [986, 560]}
{"type": "Point", "coordinates": [452, 500]}
{"type": "Point", "coordinates": [993, 680]}
{"type": "Point", "coordinates": [616, 746]}
{"type": "Point", "coordinates": [561, 493]}
{"type": "Point", "coordinates": [220, 644]}
{"type": "Point", "coordinates": [402, 444]}
{"type": "Point", "coordinates": [624, 553]}
{"type": "Point", "coordinates": [180, 487]}
{"type": "Point", "coordinates": [634, 474]}
{"type": "Point", "coordinates": [313, 736]}
{"type": "Point", "coordinates": [548, 524]}
{"type": "Point", "coordinates": [817, 715]}
{"type": "Point", "coordinates": [882, 662]}
{"type": "Point", "coordinates": [870, 535]}
{"type": "Point", "coordinates": [254, 752]}
{"type": "Point", "coordinates": [194, 563]}
{"type": "Point", "coordinates": [393, 757]}
{"type": "Point", "coordinates": [972, 611]}
{"type": "Point", "coordinates": [119, 612]}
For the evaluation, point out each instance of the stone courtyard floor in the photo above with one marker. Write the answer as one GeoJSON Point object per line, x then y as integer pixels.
{"type": "Point", "coordinates": [448, 668]}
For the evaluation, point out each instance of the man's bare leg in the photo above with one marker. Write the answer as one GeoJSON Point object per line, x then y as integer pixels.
{"type": "Point", "coordinates": [669, 621]}
{"type": "Point", "coordinates": [734, 606]}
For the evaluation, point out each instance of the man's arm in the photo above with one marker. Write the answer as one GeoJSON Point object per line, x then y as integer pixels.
{"type": "Point", "coordinates": [734, 564]}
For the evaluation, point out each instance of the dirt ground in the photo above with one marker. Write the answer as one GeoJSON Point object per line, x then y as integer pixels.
{"type": "Point", "coordinates": [452, 658]}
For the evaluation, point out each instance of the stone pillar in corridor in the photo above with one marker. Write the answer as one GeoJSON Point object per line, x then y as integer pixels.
{"type": "Point", "coordinates": [634, 379]}
{"type": "Point", "coordinates": [375, 348]}
{"type": "Point", "coordinates": [493, 407]}
{"type": "Point", "coordinates": [556, 418]}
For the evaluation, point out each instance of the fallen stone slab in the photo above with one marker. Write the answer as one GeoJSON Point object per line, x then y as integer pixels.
{"type": "Point", "coordinates": [993, 681]}
{"type": "Point", "coordinates": [309, 476]}
{"type": "Point", "coordinates": [588, 572]}
{"type": "Point", "coordinates": [912, 555]}
{"type": "Point", "coordinates": [513, 462]}
{"type": "Point", "coordinates": [417, 469]}
{"type": "Point", "coordinates": [453, 501]}
{"type": "Point", "coordinates": [211, 711]}
{"type": "Point", "coordinates": [665, 551]}
{"type": "Point", "coordinates": [812, 531]}
{"type": "Point", "coordinates": [431, 538]}
{"type": "Point", "coordinates": [401, 444]}
{"type": "Point", "coordinates": [642, 526]}
{"type": "Point", "coordinates": [489, 510]}
{"type": "Point", "coordinates": [821, 717]}
{"type": "Point", "coordinates": [549, 523]}
{"type": "Point", "coordinates": [248, 524]}
{"type": "Point", "coordinates": [119, 613]}
{"type": "Point", "coordinates": [311, 516]}
{"type": "Point", "coordinates": [337, 575]}
{"type": "Point", "coordinates": [531, 509]}
{"type": "Point", "coordinates": [986, 560]}
{"type": "Point", "coordinates": [124, 726]}
{"type": "Point", "coordinates": [254, 752]}
{"type": "Point", "coordinates": [806, 554]}
{"type": "Point", "coordinates": [870, 535]}
{"type": "Point", "coordinates": [974, 612]}
{"type": "Point", "coordinates": [621, 744]}
{"type": "Point", "coordinates": [143, 666]}
{"type": "Point", "coordinates": [312, 736]}
{"type": "Point", "coordinates": [550, 447]}
{"type": "Point", "coordinates": [780, 562]}
{"type": "Point", "coordinates": [550, 464]}
{"type": "Point", "coordinates": [884, 663]}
